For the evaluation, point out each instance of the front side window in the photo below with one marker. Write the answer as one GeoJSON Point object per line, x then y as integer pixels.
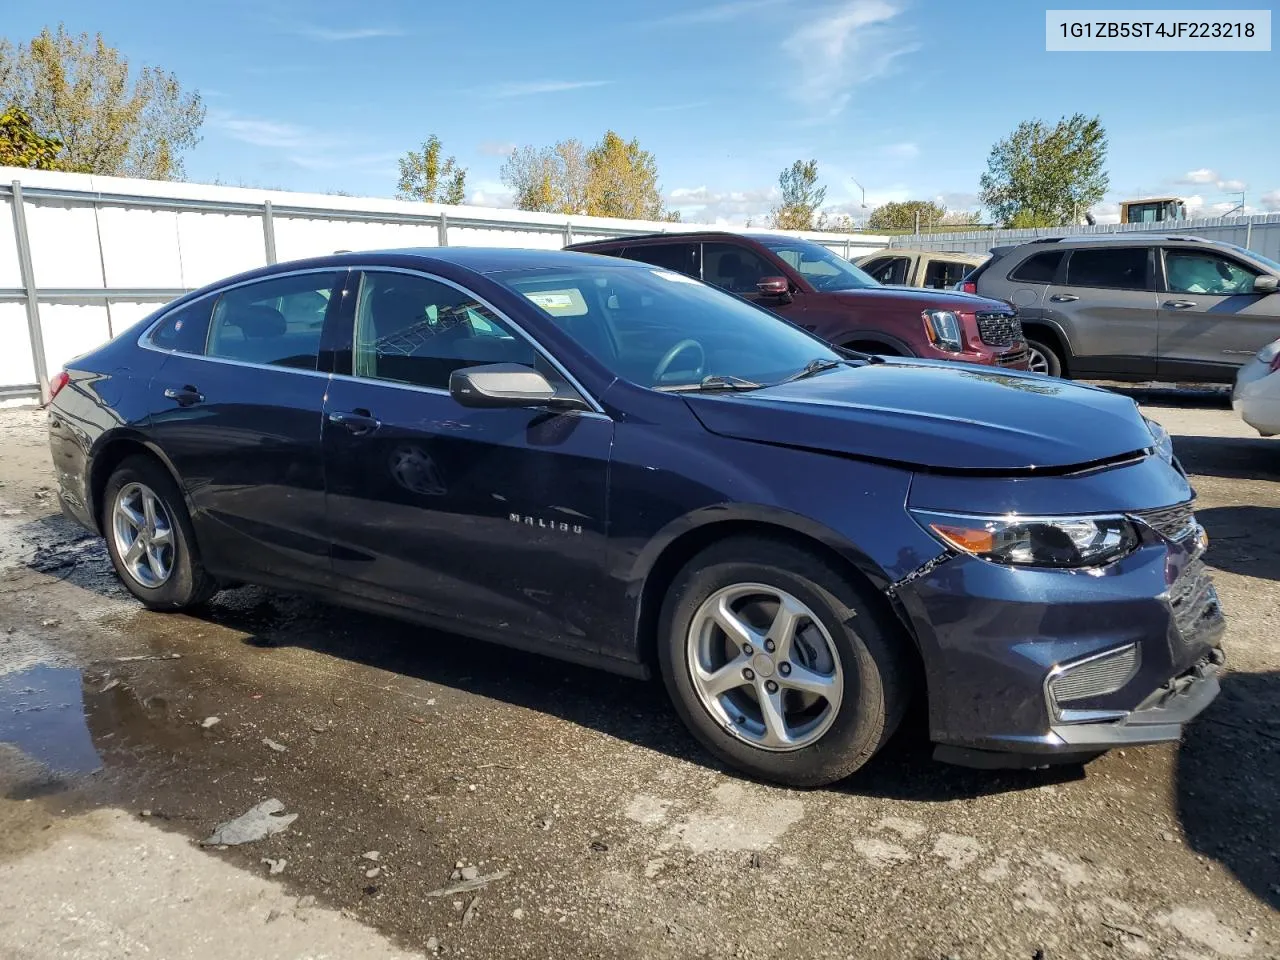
{"type": "Point", "coordinates": [734, 268]}
{"type": "Point", "coordinates": [673, 256]}
{"type": "Point", "coordinates": [825, 270]}
{"type": "Point", "coordinates": [276, 322]}
{"type": "Point", "coordinates": [658, 328]}
{"type": "Point", "coordinates": [1117, 268]}
{"type": "Point", "coordinates": [1197, 271]}
{"type": "Point", "coordinates": [882, 270]}
{"type": "Point", "coordinates": [415, 330]}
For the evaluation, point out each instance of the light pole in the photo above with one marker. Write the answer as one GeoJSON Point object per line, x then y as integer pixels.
{"type": "Point", "coordinates": [861, 190]}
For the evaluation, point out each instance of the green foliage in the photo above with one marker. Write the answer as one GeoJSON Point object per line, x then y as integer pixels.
{"type": "Point", "coordinates": [896, 215]}
{"type": "Point", "coordinates": [1042, 176]}
{"type": "Point", "coordinates": [424, 176]}
{"type": "Point", "coordinates": [109, 119]}
{"type": "Point", "coordinates": [801, 197]}
{"type": "Point", "coordinates": [22, 146]}
{"type": "Point", "coordinates": [622, 180]}
{"type": "Point", "coordinates": [548, 179]}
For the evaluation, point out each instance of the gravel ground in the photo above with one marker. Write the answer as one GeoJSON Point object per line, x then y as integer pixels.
{"type": "Point", "coordinates": [603, 830]}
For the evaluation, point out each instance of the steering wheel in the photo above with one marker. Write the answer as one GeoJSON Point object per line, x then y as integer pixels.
{"type": "Point", "coordinates": [669, 358]}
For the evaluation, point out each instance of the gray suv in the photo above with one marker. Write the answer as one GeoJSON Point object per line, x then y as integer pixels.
{"type": "Point", "coordinates": [1136, 306]}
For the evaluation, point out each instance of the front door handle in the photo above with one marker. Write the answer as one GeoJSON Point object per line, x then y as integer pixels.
{"type": "Point", "coordinates": [185, 395]}
{"type": "Point", "coordinates": [1179, 304]}
{"type": "Point", "coordinates": [1063, 298]}
{"type": "Point", "coordinates": [358, 422]}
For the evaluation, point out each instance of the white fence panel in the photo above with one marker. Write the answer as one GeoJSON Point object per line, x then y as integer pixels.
{"type": "Point", "coordinates": [64, 246]}
{"type": "Point", "coordinates": [216, 245]}
{"type": "Point", "coordinates": [139, 248]}
{"type": "Point", "coordinates": [10, 274]}
{"type": "Point", "coordinates": [71, 329]}
{"type": "Point", "coordinates": [298, 237]}
{"type": "Point", "coordinates": [125, 313]}
{"type": "Point", "coordinates": [16, 364]}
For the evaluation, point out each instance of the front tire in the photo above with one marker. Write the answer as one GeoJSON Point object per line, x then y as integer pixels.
{"type": "Point", "coordinates": [150, 538]}
{"type": "Point", "coordinates": [779, 664]}
{"type": "Point", "coordinates": [1043, 359]}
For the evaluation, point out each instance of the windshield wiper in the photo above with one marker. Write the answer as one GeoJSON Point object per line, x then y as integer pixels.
{"type": "Point", "coordinates": [812, 367]}
{"type": "Point", "coordinates": [713, 382]}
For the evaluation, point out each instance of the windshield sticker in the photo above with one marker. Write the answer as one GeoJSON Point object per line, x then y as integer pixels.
{"type": "Point", "coordinates": [673, 277]}
{"type": "Point", "coordinates": [560, 303]}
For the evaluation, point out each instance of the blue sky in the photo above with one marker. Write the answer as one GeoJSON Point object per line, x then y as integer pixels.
{"type": "Point", "coordinates": [905, 96]}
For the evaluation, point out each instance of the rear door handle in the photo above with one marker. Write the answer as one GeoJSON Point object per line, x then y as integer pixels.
{"type": "Point", "coordinates": [358, 422]}
{"type": "Point", "coordinates": [186, 395]}
{"type": "Point", "coordinates": [1179, 304]}
{"type": "Point", "coordinates": [1063, 298]}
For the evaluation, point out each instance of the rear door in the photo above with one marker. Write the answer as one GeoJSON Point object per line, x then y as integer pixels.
{"type": "Point", "coordinates": [890, 270]}
{"type": "Point", "coordinates": [939, 273]}
{"type": "Point", "coordinates": [238, 412]}
{"type": "Point", "coordinates": [1107, 306]}
{"type": "Point", "coordinates": [1211, 321]}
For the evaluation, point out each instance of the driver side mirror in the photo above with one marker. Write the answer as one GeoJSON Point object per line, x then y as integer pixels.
{"type": "Point", "coordinates": [1265, 284]}
{"type": "Point", "coordinates": [775, 288]}
{"type": "Point", "coordinates": [497, 385]}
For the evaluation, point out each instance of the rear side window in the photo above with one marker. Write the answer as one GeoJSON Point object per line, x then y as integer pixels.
{"type": "Point", "coordinates": [186, 328]}
{"type": "Point", "coordinates": [681, 257]}
{"type": "Point", "coordinates": [1116, 268]}
{"type": "Point", "coordinates": [944, 274]}
{"type": "Point", "coordinates": [1041, 268]}
{"type": "Point", "coordinates": [276, 322]}
{"type": "Point", "coordinates": [889, 269]}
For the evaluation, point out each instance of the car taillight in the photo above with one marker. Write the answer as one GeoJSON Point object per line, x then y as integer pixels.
{"type": "Point", "coordinates": [968, 286]}
{"type": "Point", "coordinates": [57, 383]}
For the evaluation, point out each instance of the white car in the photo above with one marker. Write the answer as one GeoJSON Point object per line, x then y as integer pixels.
{"type": "Point", "coordinates": [1257, 393]}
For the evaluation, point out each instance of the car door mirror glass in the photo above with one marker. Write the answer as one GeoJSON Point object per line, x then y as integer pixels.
{"type": "Point", "coordinates": [501, 385]}
{"type": "Point", "coordinates": [1266, 284]}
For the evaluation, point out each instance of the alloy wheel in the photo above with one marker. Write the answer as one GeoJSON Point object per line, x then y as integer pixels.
{"type": "Point", "coordinates": [765, 667]}
{"type": "Point", "coordinates": [143, 534]}
{"type": "Point", "coordinates": [1037, 362]}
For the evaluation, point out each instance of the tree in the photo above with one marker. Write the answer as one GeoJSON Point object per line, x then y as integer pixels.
{"type": "Point", "coordinates": [109, 119]}
{"type": "Point", "coordinates": [801, 197]}
{"type": "Point", "coordinates": [548, 179]}
{"type": "Point", "coordinates": [896, 215]}
{"type": "Point", "coordinates": [423, 176]}
{"type": "Point", "coordinates": [622, 180]}
{"type": "Point", "coordinates": [22, 146]}
{"type": "Point", "coordinates": [1042, 176]}
{"type": "Point", "coordinates": [961, 218]}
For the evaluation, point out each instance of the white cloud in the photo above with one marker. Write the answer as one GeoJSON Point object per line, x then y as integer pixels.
{"type": "Point", "coordinates": [303, 147]}
{"type": "Point", "coordinates": [332, 35]}
{"type": "Point", "coordinates": [491, 193]}
{"type": "Point", "coordinates": [497, 148]}
{"type": "Point", "coordinates": [1271, 201]}
{"type": "Point", "coordinates": [264, 133]}
{"type": "Point", "coordinates": [850, 43]}
{"type": "Point", "coordinates": [1232, 186]}
{"type": "Point", "coordinates": [723, 208]}
{"type": "Point", "coordinates": [902, 151]}
{"type": "Point", "coordinates": [720, 13]}
{"type": "Point", "coordinates": [1203, 175]}
{"type": "Point", "coordinates": [526, 88]}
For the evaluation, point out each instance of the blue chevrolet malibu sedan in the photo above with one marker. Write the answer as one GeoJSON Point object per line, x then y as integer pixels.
{"type": "Point", "coordinates": [619, 465]}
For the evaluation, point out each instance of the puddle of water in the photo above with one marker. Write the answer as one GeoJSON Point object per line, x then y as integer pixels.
{"type": "Point", "coordinates": [42, 714]}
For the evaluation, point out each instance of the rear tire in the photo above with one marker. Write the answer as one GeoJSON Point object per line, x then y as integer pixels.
{"type": "Point", "coordinates": [840, 642]}
{"type": "Point", "coordinates": [1043, 359]}
{"type": "Point", "coordinates": [150, 538]}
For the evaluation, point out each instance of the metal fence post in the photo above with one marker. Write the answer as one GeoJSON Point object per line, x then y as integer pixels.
{"type": "Point", "coordinates": [29, 292]}
{"type": "Point", "coordinates": [442, 235]}
{"type": "Point", "coordinates": [269, 231]}
{"type": "Point", "coordinates": [568, 233]}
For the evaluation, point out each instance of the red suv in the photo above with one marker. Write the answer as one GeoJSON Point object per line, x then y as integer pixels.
{"type": "Point", "coordinates": [820, 291]}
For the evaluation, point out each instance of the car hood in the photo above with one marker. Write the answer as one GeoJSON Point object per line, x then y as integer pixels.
{"type": "Point", "coordinates": [934, 414]}
{"type": "Point", "coordinates": [926, 299]}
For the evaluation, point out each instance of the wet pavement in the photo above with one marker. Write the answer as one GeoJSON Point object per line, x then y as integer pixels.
{"type": "Point", "coordinates": [590, 822]}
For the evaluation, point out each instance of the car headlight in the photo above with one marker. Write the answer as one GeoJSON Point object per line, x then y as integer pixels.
{"type": "Point", "coordinates": [1163, 442]}
{"type": "Point", "coordinates": [1034, 541]}
{"type": "Point", "coordinates": [943, 328]}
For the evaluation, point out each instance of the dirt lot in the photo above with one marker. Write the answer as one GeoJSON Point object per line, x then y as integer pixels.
{"type": "Point", "coordinates": [606, 832]}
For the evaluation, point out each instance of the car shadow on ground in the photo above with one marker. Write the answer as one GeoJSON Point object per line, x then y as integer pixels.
{"type": "Point", "coordinates": [1208, 397]}
{"type": "Point", "coordinates": [1247, 458]}
{"type": "Point", "coordinates": [1228, 782]}
{"type": "Point", "coordinates": [1242, 540]}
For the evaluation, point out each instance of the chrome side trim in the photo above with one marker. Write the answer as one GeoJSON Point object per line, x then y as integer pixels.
{"type": "Point", "coordinates": [1084, 716]}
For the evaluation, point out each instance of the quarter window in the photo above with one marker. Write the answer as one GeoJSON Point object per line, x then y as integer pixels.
{"type": "Point", "coordinates": [414, 330]}
{"type": "Point", "coordinates": [1041, 268]}
{"type": "Point", "coordinates": [185, 329]}
{"type": "Point", "coordinates": [1117, 268]}
{"type": "Point", "coordinates": [1196, 271]}
{"type": "Point", "coordinates": [945, 274]}
{"type": "Point", "coordinates": [277, 322]}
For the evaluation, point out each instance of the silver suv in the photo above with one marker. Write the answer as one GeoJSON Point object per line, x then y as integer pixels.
{"type": "Point", "coordinates": [1136, 306]}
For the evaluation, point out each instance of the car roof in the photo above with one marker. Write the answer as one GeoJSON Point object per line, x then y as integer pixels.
{"type": "Point", "coordinates": [1111, 239]}
{"type": "Point", "coordinates": [916, 251]}
{"type": "Point", "coordinates": [677, 236]}
{"type": "Point", "coordinates": [482, 259]}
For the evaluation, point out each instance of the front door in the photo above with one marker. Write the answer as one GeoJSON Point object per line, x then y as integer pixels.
{"type": "Point", "coordinates": [490, 518]}
{"type": "Point", "coordinates": [237, 410]}
{"type": "Point", "coordinates": [1107, 307]}
{"type": "Point", "coordinates": [1211, 321]}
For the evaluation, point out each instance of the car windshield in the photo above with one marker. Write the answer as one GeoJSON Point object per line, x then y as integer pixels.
{"type": "Point", "coordinates": [822, 268]}
{"type": "Point", "coordinates": [665, 330]}
{"type": "Point", "coordinates": [1265, 261]}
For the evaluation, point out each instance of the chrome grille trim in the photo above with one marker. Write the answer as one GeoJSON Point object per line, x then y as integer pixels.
{"type": "Point", "coordinates": [1176, 523]}
{"type": "Point", "coordinates": [999, 329]}
{"type": "Point", "coordinates": [1095, 676]}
